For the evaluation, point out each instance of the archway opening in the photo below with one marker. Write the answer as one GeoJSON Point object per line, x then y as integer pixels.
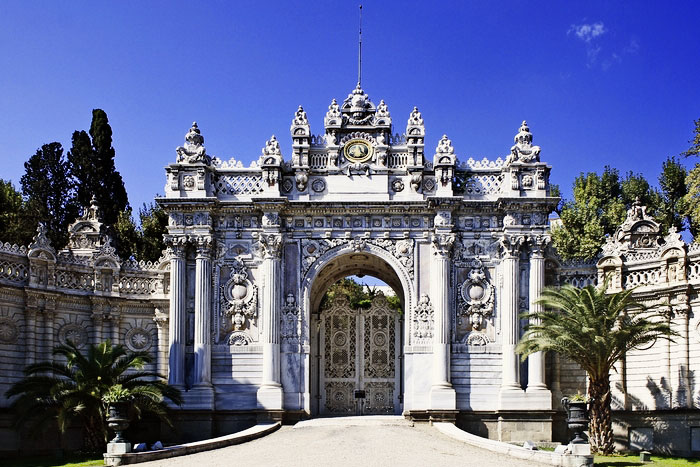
{"type": "Point", "coordinates": [356, 337]}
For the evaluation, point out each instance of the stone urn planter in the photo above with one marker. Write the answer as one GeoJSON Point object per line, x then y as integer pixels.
{"type": "Point", "coordinates": [576, 417]}
{"type": "Point", "coordinates": [117, 420]}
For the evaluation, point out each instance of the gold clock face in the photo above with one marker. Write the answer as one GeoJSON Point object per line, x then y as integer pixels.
{"type": "Point", "coordinates": [358, 150]}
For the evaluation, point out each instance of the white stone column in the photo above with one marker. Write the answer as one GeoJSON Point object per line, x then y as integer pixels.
{"type": "Point", "coordinates": [270, 394]}
{"type": "Point", "coordinates": [510, 378]}
{"type": "Point", "coordinates": [176, 334]}
{"type": "Point", "coordinates": [535, 362]}
{"type": "Point", "coordinates": [202, 313]}
{"type": "Point", "coordinates": [442, 394]}
{"type": "Point", "coordinates": [30, 318]}
{"type": "Point", "coordinates": [161, 320]}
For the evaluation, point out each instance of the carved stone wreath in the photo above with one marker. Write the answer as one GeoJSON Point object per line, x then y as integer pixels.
{"type": "Point", "coordinates": [73, 332]}
{"type": "Point", "coordinates": [8, 330]}
{"type": "Point", "coordinates": [397, 185]}
{"type": "Point", "coordinates": [138, 339]}
{"type": "Point", "coordinates": [476, 296]}
{"type": "Point", "coordinates": [240, 297]}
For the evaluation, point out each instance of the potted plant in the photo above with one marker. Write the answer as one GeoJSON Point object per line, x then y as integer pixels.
{"type": "Point", "coordinates": [117, 399]}
{"type": "Point", "coordinates": [576, 407]}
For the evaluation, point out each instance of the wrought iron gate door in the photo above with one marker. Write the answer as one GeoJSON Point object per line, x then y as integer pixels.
{"type": "Point", "coordinates": [359, 353]}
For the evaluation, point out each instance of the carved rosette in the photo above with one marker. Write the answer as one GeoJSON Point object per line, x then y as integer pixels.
{"type": "Point", "coordinates": [423, 319]}
{"type": "Point", "coordinates": [240, 297]}
{"type": "Point", "coordinates": [74, 333]}
{"type": "Point", "coordinates": [476, 296]}
{"type": "Point", "coordinates": [138, 339]}
{"type": "Point", "coordinates": [9, 331]}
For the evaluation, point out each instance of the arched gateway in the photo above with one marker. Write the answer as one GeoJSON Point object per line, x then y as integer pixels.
{"type": "Point", "coordinates": [253, 249]}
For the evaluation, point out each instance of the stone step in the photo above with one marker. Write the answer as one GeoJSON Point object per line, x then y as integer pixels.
{"type": "Point", "coordinates": [365, 420]}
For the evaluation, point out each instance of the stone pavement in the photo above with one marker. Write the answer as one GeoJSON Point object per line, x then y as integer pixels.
{"type": "Point", "coordinates": [371, 441]}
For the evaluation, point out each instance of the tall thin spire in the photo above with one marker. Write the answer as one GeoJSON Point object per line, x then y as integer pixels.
{"type": "Point", "coordinates": [359, 54]}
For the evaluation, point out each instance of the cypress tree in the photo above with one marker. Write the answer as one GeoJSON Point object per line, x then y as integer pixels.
{"type": "Point", "coordinates": [49, 192]}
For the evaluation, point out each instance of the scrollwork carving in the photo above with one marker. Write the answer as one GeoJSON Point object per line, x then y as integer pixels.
{"type": "Point", "coordinates": [476, 296]}
{"type": "Point", "coordinates": [240, 297]}
{"type": "Point", "coordinates": [423, 318]}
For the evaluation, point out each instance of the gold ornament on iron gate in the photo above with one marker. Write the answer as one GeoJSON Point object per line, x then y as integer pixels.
{"type": "Point", "coordinates": [476, 296]}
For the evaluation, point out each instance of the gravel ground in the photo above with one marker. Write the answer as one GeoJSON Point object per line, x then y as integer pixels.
{"type": "Point", "coordinates": [419, 445]}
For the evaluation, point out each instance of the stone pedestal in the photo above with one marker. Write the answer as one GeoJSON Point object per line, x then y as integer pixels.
{"type": "Point", "coordinates": [118, 448]}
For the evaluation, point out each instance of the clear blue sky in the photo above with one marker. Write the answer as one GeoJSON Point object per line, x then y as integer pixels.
{"type": "Point", "coordinates": [600, 82]}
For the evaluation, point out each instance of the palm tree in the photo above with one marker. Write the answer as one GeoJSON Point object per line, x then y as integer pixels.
{"type": "Point", "coordinates": [75, 390]}
{"type": "Point", "coordinates": [594, 329]}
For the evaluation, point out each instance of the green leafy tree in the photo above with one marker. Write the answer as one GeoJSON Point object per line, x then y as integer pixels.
{"type": "Point", "coordinates": [359, 296]}
{"type": "Point", "coordinates": [49, 192]}
{"type": "Point", "coordinates": [594, 329]}
{"type": "Point", "coordinates": [145, 241]}
{"type": "Point", "coordinates": [599, 206]}
{"type": "Point", "coordinates": [75, 388]}
{"type": "Point", "coordinates": [692, 198]}
{"type": "Point", "coordinates": [15, 225]}
{"type": "Point", "coordinates": [92, 164]}
{"type": "Point", "coordinates": [673, 209]}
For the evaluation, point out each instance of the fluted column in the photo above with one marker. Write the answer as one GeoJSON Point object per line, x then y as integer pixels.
{"type": "Point", "coordinates": [442, 395]}
{"type": "Point", "coordinates": [202, 313]}
{"type": "Point", "coordinates": [176, 334]}
{"type": "Point", "coordinates": [30, 317]}
{"type": "Point", "coordinates": [270, 395]}
{"type": "Point", "coordinates": [510, 378]}
{"type": "Point", "coordinates": [535, 364]}
{"type": "Point", "coordinates": [161, 320]}
{"type": "Point", "coordinates": [116, 319]}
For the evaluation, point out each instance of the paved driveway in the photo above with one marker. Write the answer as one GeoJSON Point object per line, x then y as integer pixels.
{"type": "Point", "coordinates": [319, 444]}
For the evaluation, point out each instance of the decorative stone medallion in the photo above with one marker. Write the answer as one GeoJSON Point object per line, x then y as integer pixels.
{"type": "Point", "coordinates": [138, 339]}
{"type": "Point", "coordinates": [74, 333]}
{"type": "Point", "coordinates": [8, 330]}
{"type": "Point", "coordinates": [318, 185]}
{"type": "Point", "coordinates": [476, 294]}
{"type": "Point", "coordinates": [357, 150]}
{"type": "Point", "coordinates": [397, 185]}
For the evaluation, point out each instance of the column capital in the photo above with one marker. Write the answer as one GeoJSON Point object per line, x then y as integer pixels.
{"type": "Point", "coordinates": [203, 244]}
{"type": "Point", "coordinates": [442, 244]}
{"type": "Point", "coordinates": [270, 245]}
{"type": "Point", "coordinates": [160, 318]}
{"type": "Point", "coordinates": [538, 243]}
{"type": "Point", "coordinates": [175, 246]}
{"type": "Point", "coordinates": [510, 245]}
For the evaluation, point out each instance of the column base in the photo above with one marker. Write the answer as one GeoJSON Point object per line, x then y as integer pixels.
{"type": "Point", "coordinates": [443, 397]}
{"type": "Point", "coordinates": [271, 397]}
{"type": "Point", "coordinates": [199, 397]}
{"type": "Point", "coordinates": [517, 399]}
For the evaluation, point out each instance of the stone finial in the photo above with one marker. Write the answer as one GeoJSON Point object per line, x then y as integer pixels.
{"type": "Point", "coordinates": [272, 147]}
{"type": "Point", "coordinates": [300, 117]}
{"type": "Point", "coordinates": [193, 151]}
{"type": "Point", "coordinates": [40, 240]}
{"type": "Point", "coordinates": [445, 146]}
{"type": "Point", "coordinates": [523, 150]}
{"type": "Point", "coordinates": [333, 116]}
{"type": "Point", "coordinates": [382, 109]}
{"type": "Point", "coordinates": [92, 213]}
{"type": "Point", "coordinates": [415, 119]}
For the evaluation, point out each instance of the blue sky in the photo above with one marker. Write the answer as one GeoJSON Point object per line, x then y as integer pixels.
{"type": "Point", "coordinates": [600, 83]}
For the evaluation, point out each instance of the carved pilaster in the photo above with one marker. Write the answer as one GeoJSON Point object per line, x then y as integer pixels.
{"type": "Point", "coordinates": [536, 361]}
{"type": "Point", "coordinates": [161, 320]}
{"type": "Point", "coordinates": [510, 330]}
{"type": "Point", "coordinates": [202, 312]}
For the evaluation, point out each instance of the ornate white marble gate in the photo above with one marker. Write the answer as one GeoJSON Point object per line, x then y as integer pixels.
{"type": "Point", "coordinates": [359, 354]}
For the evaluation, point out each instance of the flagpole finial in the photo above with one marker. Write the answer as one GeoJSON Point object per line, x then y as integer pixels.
{"type": "Point", "coordinates": [359, 52]}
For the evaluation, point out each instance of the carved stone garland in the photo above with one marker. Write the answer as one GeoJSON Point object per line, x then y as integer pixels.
{"type": "Point", "coordinates": [239, 301]}
{"type": "Point", "coordinates": [476, 296]}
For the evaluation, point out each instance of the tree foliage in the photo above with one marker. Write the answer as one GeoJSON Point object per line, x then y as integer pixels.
{"type": "Point", "coordinates": [73, 388]}
{"type": "Point", "coordinates": [595, 330]}
{"type": "Point", "coordinates": [49, 192]}
{"type": "Point", "coordinates": [601, 202]}
{"type": "Point", "coordinates": [15, 225]}
{"type": "Point", "coordinates": [144, 241]}
{"type": "Point", "coordinates": [359, 295]}
{"type": "Point", "coordinates": [92, 165]}
{"type": "Point", "coordinates": [692, 197]}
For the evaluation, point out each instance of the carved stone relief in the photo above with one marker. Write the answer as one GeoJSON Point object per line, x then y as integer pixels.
{"type": "Point", "coordinates": [239, 297]}
{"type": "Point", "coordinates": [73, 332]}
{"type": "Point", "coordinates": [9, 331]}
{"type": "Point", "coordinates": [476, 296]}
{"type": "Point", "coordinates": [138, 339]}
{"type": "Point", "coordinates": [423, 319]}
